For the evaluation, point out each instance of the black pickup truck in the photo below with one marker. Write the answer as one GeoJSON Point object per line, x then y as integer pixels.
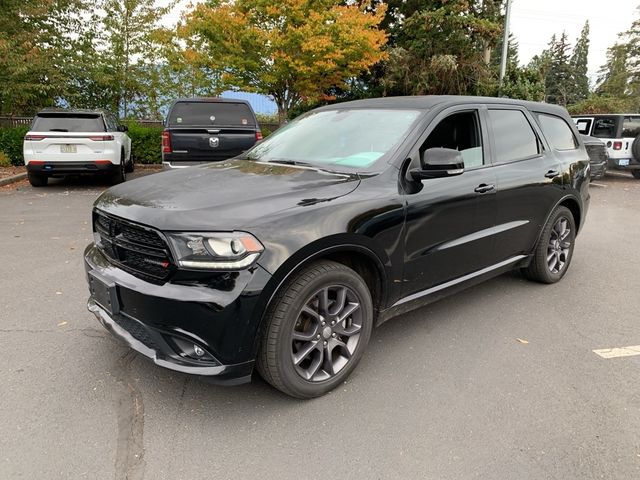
{"type": "Point", "coordinates": [199, 130]}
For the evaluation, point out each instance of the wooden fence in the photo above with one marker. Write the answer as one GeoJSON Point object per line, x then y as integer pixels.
{"type": "Point", "coordinates": [21, 121]}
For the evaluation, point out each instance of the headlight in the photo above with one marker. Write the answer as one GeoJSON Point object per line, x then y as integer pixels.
{"type": "Point", "coordinates": [215, 251]}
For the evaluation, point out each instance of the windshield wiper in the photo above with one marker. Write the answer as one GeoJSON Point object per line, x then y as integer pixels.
{"type": "Point", "coordinates": [292, 162]}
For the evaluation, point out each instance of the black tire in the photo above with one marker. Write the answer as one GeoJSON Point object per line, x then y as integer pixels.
{"type": "Point", "coordinates": [38, 180]}
{"type": "Point", "coordinates": [120, 175]}
{"type": "Point", "coordinates": [540, 269]}
{"type": "Point", "coordinates": [275, 361]}
{"type": "Point", "coordinates": [130, 164]}
{"type": "Point", "coordinates": [636, 174]}
{"type": "Point", "coordinates": [635, 148]}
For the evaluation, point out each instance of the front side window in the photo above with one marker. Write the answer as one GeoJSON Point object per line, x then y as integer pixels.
{"type": "Point", "coordinates": [631, 127]}
{"type": "Point", "coordinates": [460, 131]}
{"type": "Point", "coordinates": [557, 131]}
{"type": "Point", "coordinates": [359, 139]}
{"type": "Point", "coordinates": [514, 138]}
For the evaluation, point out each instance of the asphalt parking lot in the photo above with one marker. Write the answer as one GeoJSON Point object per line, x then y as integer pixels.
{"type": "Point", "coordinates": [498, 382]}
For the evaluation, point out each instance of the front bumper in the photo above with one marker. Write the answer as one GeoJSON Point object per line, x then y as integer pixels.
{"type": "Point", "coordinates": [159, 320]}
{"type": "Point", "coordinates": [71, 168]}
{"type": "Point", "coordinates": [598, 169]}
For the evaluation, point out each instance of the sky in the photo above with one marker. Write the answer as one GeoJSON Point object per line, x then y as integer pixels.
{"type": "Point", "coordinates": [533, 22]}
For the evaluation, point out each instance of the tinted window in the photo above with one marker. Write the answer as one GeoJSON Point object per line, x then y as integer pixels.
{"type": "Point", "coordinates": [461, 132]}
{"type": "Point", "coordinates": [583, 125]}
{"type": "Point", "coordinates": [557, 132]}
{"type": "Point", "coordinates": [112, 123]}
{"type": "Point", "coordinates": [61, 122]}
{"type": "Point", "coordinates": [338, 139]}
{"type": "Point", "coordinates": [604, 127]}
{"type": "Point", "coordinates": [631, 127]}
{"type": "Point", "coordinates": [513, 136]}
{"type": "Point", "coordinates": [211, 113]}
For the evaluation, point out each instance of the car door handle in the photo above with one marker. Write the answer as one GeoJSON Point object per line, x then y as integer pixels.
{"type": "Point", "coordinates": [552, 174]}
{"type": "Point", "coordinates": [484, 188]}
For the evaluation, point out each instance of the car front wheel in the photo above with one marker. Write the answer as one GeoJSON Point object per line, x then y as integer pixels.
{"type": "Point", "coordinates": [554, 251]}
{"type": "Point", "coordinates": [316, 330]}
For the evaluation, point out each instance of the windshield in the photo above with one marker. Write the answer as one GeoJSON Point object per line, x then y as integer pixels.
{"type": "Point", "coordinates": [332, 139]}
{"type": "Point", "coordinates": [64, 122]}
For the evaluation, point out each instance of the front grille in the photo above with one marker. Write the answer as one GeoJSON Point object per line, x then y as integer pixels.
{"type": "Point", "coordinates": [138, 250]}
{"type": "Point", "coordinates": [597, 153]}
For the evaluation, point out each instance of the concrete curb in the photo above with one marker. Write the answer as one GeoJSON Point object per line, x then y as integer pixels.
{"type": "Point", "coordinates": [13, 179]}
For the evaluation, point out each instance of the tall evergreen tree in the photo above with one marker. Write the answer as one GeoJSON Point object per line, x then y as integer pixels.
{"type": "Point", "coordinates": [579, 67]}
{"type": "Point", "coordinates": [558, 77]}
{"type": "Point", "coordinates": [614, 75]}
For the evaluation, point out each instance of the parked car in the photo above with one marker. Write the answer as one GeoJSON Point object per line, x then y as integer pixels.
{"type": "Point", "coordinates": [598, 156]}
{"type": "Point", "coordinates": [621, 134]}
{"type": "Point", "coordinates": [199, 130]}
{"type": "Point", "coordinates": [64, 142]}
{"type": "Point", "coordinates": [286, 258]}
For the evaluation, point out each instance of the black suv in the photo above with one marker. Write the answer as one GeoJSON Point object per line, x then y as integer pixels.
{"type": "Point", "coordinates": [201, 130]}
{"type": "Point", "coordinates": [287, 257]}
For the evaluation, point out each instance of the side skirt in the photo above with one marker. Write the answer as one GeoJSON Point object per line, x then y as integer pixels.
{"type": "Point", "coordinates": [430, 295]}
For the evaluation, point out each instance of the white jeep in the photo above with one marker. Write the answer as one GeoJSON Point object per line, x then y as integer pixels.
{"type": "Point", "coordinates": [64, 142]}
{"type": "Point", "coordinates": [621, 135]}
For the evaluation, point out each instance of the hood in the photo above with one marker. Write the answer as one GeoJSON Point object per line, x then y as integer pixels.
{"type": "Point", "coordinates": [226, 195]}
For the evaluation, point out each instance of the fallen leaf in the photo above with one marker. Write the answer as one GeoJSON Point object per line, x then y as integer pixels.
{"type": "Point", "coordinates": [522, 340]}
{"type": "Point", "coordinates": [61, 324]}
{"type": "Point", "coordinates": [58, 293]}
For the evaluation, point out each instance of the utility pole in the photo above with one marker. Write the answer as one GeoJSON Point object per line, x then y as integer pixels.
{"type": "Point", "coordinates": [505, 45]}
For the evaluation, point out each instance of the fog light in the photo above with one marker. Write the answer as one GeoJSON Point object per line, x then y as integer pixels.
{"type": "Point", "coordinates": [198, 351]}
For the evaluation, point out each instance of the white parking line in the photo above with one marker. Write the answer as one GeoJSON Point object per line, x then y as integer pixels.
{"type": "Point", "coordinates": [601, 185]}
{"type": "Point", "coordinates": [618, 352]}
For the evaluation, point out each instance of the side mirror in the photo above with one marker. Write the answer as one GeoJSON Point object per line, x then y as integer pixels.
{"type": "Point", "coordinates": [438, 163]}
{"type": "Point", "coordinates": [123, 128]}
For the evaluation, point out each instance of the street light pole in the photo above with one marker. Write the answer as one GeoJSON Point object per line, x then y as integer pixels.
{"type": "Point", "coordinates": [505, 44]}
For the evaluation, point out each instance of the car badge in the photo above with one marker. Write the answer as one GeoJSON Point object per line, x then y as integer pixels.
{"type": "Point", "coordinates": [214, 142]}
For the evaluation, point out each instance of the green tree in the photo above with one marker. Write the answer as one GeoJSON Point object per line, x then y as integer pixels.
{"type": "Point", "coordinates": [554, 63]}
{"type": "Point", "coordinates": [579, 66]}
{"type": "Point", "coordinates": [293, 50]}
{"type": "Point", "coordinates": [614, 75]}
{"type": "Point", "coordinates": [442, 47]}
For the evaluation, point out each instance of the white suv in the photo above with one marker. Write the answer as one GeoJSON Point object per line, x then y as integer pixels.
{"type": "Point", "coordinates": [70, 142]}
{"type": "Point", "coordinates": [621, 135]}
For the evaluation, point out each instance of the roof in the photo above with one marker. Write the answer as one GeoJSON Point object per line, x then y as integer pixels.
{"type": "Point", "coordinates": [426, 102]}
{"type": "Point", "coordinates": [210, 99]}
{"type": "Point", "coordinates": [94, 111]}
{"type": "Point", "coordinates": [589, 115]}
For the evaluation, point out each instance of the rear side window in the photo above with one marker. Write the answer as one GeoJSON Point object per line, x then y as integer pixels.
{"type": "Point", "coordinates": [56, 122]}
{"type": "Point", "coordinates": [514, 138]}
{"type": "Point", "coordinates": [604, 127]}
{"type": "Point", "coordinates": [631, 127]}
{"type": "Point", "coordinates": [583, 125]}
{"type": "Point", "coordinates": [557, 131]}
{"type": "Point", "coordinates": [211, 113]}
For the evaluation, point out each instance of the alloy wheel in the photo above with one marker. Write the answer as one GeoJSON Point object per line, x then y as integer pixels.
{"type": "Point", "coordinates": [326, 333]}
{"type": "Point", "coordinates": [559, 246]}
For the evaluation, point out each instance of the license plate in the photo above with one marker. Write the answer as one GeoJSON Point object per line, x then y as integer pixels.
{"type": "Point", "coordinates": [623, 162]}
{"type": "Point", "coordinates": [104, 292]}
{"type": "Point", "coordinates": [68, 149]}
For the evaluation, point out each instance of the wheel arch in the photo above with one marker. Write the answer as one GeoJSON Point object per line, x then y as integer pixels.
{"type": "Point", "coordinates": [570, 202]}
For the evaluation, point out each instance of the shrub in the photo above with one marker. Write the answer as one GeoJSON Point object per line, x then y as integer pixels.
{"type": "Point", "coordinates": [11, 140]}
{"type": "Point", "coordinates": [5, 161]}
{"type": "Point", "coordinates": [146, 143]}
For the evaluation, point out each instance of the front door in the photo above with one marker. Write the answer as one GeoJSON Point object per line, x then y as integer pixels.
{"type": "Point", "coordinates": [449, 221]}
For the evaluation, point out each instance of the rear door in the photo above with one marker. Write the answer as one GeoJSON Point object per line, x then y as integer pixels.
{"type": "Point", "coordinates": [529, 179]}
{"type": "Point", "coordinates": [209, 131]}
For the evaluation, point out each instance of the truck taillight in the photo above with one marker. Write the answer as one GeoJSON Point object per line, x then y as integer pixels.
{"type": "Point", "coordinates": [258, 135]}
{"type": "Point", "coordinates": [166, 142]}
{"type": "Point", "coordinates": [101, 138]}
{"type": "Point", "coordinates": [617, 145]}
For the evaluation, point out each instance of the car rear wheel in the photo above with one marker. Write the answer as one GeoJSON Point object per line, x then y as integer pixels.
{"type": "Point", "coordinates": [130, 165]}
{"type": "Point", "coordinates": [554, 251]}
{"type": "Point", "coordinates": [636, 174]}
{"type": "Point", "coordinates": [120, 175]}
{"type": "Point", "coordinates": [316, 330]}
{"type": "Point", "coordinates": [38, 180]}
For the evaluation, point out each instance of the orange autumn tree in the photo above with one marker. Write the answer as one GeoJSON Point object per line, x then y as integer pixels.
{"type": "Point", "coordinates": [291, 49]}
